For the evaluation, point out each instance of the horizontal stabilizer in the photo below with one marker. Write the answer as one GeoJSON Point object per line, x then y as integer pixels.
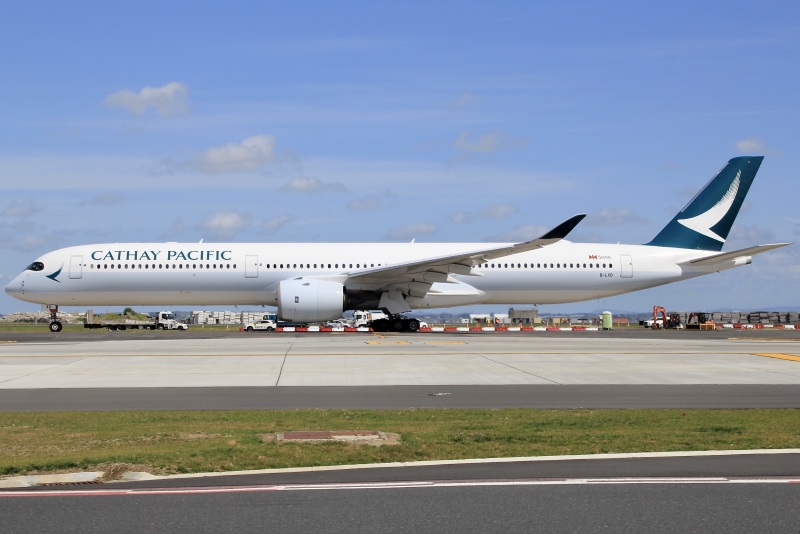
{"type": "Point", "coordinates": [734, 254]}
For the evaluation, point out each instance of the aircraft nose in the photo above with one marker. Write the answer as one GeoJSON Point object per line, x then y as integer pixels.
{"type": "Point", "coordinates": [14, 287]}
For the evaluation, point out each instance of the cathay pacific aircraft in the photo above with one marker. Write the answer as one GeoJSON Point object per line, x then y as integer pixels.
{"type": "Point", "coordinates": [313, 282]}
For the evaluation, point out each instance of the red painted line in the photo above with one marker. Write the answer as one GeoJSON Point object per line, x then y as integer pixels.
{"type": "Point", "coordinates": [395, 485]}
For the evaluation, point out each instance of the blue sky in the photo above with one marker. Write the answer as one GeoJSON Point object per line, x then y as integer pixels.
{"type": "Point", "coordinates": [372, 121]}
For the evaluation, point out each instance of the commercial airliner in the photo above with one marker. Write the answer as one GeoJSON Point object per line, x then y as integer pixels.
{"type": "Point", "coordinates": [314, 282]}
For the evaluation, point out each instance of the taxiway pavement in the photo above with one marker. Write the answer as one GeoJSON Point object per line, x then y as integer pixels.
{"type": "Point", "coordinates": [262, 371]}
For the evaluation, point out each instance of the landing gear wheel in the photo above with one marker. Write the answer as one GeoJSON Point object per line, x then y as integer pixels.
{"type": "Point", "coordinates": [397, 325]}
{"type": "Point", "coordinates": [55, 324]}
{"type": "Point", "coordinates": [413, 325]}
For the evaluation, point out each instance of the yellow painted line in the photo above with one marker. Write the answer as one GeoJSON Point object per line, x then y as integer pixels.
{"type": "Point", "coordinates": [767, 339]}
{"type": "Point", "coordinates": [780, 356]}
{"type": "Point", "coordinates": [410, 343]}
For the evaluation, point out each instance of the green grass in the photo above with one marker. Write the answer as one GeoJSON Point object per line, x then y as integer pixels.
{"type": "Point", "coordinates": [184, 442]}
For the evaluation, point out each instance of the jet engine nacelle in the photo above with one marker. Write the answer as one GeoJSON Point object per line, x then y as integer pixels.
{"type": "Point", "coordinates": [310, 301]}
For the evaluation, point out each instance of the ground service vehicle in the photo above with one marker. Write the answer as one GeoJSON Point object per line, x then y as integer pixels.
{"type": "Point", "coordinates": [696, 319]}
{"type": "Point", "coordinates": [164, 320]}
{"type": "Point", "coordinates": [272, 316]}
{"type": "Point", "coordinates": [671, 320]}
{"type": "Point", "coordinates": [365, 317]}
{"type": "Point", "coordinates": [267, 325]}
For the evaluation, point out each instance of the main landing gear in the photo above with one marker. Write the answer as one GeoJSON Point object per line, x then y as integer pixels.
{"type": "Point", "coordinates": [55, 324]}
{"type": "Point", "coordinates": [395, 323]}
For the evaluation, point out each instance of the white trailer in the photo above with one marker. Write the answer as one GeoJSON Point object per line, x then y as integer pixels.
{"type": "Point", "coordinates": [164, 320]}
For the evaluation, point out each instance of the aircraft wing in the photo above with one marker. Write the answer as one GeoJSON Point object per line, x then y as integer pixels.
{"type": "Point", "coordinates": [733, 255]}
{"type": "Point", "coordinates": [439, 268]}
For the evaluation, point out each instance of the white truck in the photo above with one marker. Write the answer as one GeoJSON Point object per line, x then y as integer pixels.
{"type": "Point", "coordinates": [365, 317]}
{"type": "Point", "coordinates": [164, 320]}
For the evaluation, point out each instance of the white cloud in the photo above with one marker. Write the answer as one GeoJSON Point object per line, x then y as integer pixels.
{"type": "Point", "coordinates": [486, 143]}
{"type": "Point", "coordinates": [751, 145]}
{"type": "Point", "coordinates": [20, 209]}
{"type": "Point", "coordinates": [615, 217]}
{"type": "Point", "coordinates": [227, 223]}
{"type": "Point", "coordinates": [167, 100]}
{"type": "Point", "coordinates": [307, 185]}
{"type": "Point", "coordinates": [411, 231]}
{"type": "Point", "coordinates": [465, 101]}
{"type": "Point", "coordinates": [29, 242]}
{"type": "Point", "coordinates": [364, 204]}
{"type": "Point", "coordinates": [312, 185]}
{"type": "Point", "coordinates": [520, 233]}
{"type": "Point", "coordinates": [276, 223]}
{"type": "Point", "coordinates": [482, 145]}
{"type": "Point", "coordinates": [248, 155]}
{"type": "Point", "coordinates": [499, 211]}
{"type": "Point", "coordinates": [469, 146]}
{"type": "Point", "coordinates": [106, 198]}
{"type": "Point", "coordinates": [462, 217]}
{"type": "Point", "coordinates": [495, 211]}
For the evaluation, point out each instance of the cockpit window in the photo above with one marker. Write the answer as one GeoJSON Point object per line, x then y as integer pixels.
{"type": "Point", "coordinates": [36, 266]}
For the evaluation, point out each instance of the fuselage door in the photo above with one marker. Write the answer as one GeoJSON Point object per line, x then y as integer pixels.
{"type": "Point", "coordinates": [626, 264]}
{"type": "Point", "coordinates": [251, 267]}
{"type": "Point", "coordinates": [76, 267]}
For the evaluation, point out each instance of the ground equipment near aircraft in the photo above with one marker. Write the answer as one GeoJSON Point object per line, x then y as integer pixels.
{"type": "Point", "coordinates": [671, 320]}
{"type": "Point", "coordinates": [695, 320]}
{"type": "Point", "coordinates": [266, 325]}
{"type": "Point", "coordinates": [164, 320]}
{"type": "Point", "coordinates": [365, 317]}
{"type": "Point", "coordinates": [395, 323]}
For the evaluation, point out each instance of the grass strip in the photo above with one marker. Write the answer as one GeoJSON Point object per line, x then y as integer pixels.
{"type": "Point", "coordinates": [204, 441]}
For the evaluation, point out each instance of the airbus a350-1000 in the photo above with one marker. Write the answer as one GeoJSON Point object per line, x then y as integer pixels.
{"type": "Point", "coordinates": [314, 282]}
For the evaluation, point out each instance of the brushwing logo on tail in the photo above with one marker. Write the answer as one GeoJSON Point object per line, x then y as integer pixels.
{"type": "Point", "coordinates": [703, 223]}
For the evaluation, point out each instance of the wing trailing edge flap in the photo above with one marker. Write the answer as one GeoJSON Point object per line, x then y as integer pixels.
{"type": "Point", "coordinates": [723, 257]}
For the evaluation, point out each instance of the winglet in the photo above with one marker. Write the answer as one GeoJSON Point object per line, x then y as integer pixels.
{"type": "Point", "coordinates": [553, 236]}
{"type": "Point", "coordinates": [562, 230]}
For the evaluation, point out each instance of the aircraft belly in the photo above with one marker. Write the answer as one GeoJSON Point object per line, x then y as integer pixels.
{"type": "Point", "coordinates": [104, 290]}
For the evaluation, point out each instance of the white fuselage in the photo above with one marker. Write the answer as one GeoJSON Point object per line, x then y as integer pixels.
{"type": "Point", "coordinates": [209, 274]}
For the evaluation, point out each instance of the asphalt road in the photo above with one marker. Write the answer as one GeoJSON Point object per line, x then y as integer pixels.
{"type": "Point", "coordinates": [403, 397]}
{"type": "Point", "coordinates": [737, 494]}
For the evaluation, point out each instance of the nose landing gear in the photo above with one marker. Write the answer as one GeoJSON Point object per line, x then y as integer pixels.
{"type": "Point", "coordinates": [55, 324]}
